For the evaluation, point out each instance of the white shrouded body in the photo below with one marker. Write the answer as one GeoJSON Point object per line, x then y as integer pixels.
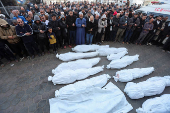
{"type": "Point", "coordinates": [150, 87]}
{"type": "Point", "coordinates": [70, 76]}
{"type": "Point", "coordinates": [127, 75]}
{"type": "Point", "coordinates": [156, 105]}
{"type": "Point", "coordinates": [87, 48]}
{"type": "Point", "coordinates": [78, 64]}
{"type": "Point", "coordinates": [74, 56]}
{"type": "Point", "coordinates": [117, 55]}
{"type": "Point", "coordinates": [123, 62]}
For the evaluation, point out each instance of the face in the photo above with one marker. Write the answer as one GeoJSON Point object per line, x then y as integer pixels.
{"type": "Point", "coordinates": [37, 21]}
{"type": "Point", "coordinates": [50, 30]}
{"type": "Point", "coordinates": [81, 16]}
{"type": "Point", "coordinates": [166, 18]}
{"type": "Point", "coordinates": [144, 17]}
{"type": "Point", "coordinates": [43, 18]}
{"type": "Point", "coordinates": [71, 13]}
{"type": "Point", "coordinates": [62, 19]}
{"type": "Point", "coordinates": [28, 19]}
{"type": "Point", "coordinates": [91, 18]}
{"type": "Point", "coordinates": [20, 22]}
{"type": "Point", "coordinates": [135, 16]}
{"type": "Point", "coordinates": [42, 12]}
{"type": "Point", "coordinates": [54, 18]}
{"type": "Point", "coordinates": [151, 20]}
{"type": "Point", "coordinates": [126, 14]}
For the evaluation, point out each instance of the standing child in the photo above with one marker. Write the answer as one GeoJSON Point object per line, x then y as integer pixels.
{"type": "Point", "coordinates": [52, 39]}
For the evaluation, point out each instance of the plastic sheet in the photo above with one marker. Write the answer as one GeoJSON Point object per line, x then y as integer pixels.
{"type": "Point", "coordinates": [109, 99]}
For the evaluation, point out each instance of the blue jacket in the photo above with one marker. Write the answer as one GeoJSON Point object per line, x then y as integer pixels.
{"type": "Point", "coordinates": [21, 33]}
{"type": "Point", "coordinates": [14, 18]}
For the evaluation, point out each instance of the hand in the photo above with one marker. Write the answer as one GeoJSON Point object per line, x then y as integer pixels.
{"type": "Point", "coordinates": [59, 28]}
{"type": "Point", "coordinates": [73, 24]}
{"type": "Point", "coordinates": [162, 29]}
{"type": "Point", "coordinates": [126, 24]}
{"type": "Point", "coordinates": [27, 34]}
{"type": "Point", "coordinates": [158, 27]}
{"type": "Point", "coordinates": [104, 26]}
{"type": "Point", "coordinates": [67, 26]}
{"type": "Point", "coordinates": [167, 35]}
{"type": "Point", "coordinates": [135, 24]}
{"type": "Point", "coordinates": [10, 37]}
{"type": "Point", "coordinates": [118, 25]}
{"type": "Point", "coordinates": [114, 26]}
{"type": "Point", "coordinates": [83, 25]}
{"type": "Point", "coordinates": [41, 31]}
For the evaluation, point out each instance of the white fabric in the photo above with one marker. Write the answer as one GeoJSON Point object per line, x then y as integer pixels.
{"type": "Point", "coordinates": [78, 64]}
{"type": "Point", "coordinates": [127, 75]}
{"type": "Point", "coordinates": [70, 76]}
{"type": "Point", "coordinates": [108, 51]}
{"type": "Point", "coordinates": [123, 62]}
{"type": "Point", "coordinates": [87, 48]}
{"type": "Point", "coordinates": [156, 105]}
{"type": "Point", "coordinates": [79, 86]}
{"type": "Point", "coordinates": [117, 55]}
{"type": "Point", "coordinates": [109, 99]}
{"type": "Point", "coordinates": [150, 87]}
{"type": "Point", "coordinates": [73, 56]}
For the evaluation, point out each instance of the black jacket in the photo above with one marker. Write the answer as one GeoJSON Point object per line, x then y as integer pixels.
{"type": "Point", "coordinates": [37, 27]}
{"type": "Point", "coordinates": [166, 30]}
{"type": "Point", "coordinates": [63, 27]}
{"type": "Point", "coordinates": [21, 33]}
{"type": "Point", "coordinates": [92, 26]}
{"type": "Point", "coordinates": [69, 21]}
{"type": "Point", "coordinates": [156, 25]}
{"type": "Point", "coordinates": [54, 25]}
{"type": "Point", "coordinates": [116, 23]}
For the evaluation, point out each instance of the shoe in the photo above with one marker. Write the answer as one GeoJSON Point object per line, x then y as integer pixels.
{"type": "Point", "coordinates": [43, 53]}
{"type": "Point", "coordinates": [122, 42]}
{"type": "Point", "coordinates": [69, 46]}
{"type": "Point", "coordinates": [127, 43]}
{"type": "Point", "coordinates": [21, 59]}
{"type": "Point", "coordinates": [55, 52]}
{"type": "Point", "coordinates": [150, 44]}
{"type": "Point", "coordinates": [64, 47]}
{"type": "Point", "coordinates": [168, 51]}
{"type": "Point", "coordinates": [100, 43]}
{"type": "Point", "coordinates": [163, 51]}
{"type": "Point", "coordinates": [32, 57]}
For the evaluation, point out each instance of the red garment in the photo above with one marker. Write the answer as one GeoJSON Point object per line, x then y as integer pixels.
{"type": "Point", "coordinates": [115, 13]}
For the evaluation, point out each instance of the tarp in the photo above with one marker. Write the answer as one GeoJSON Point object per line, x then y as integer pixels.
{"type": "Point", "coordinates": [109, 99]}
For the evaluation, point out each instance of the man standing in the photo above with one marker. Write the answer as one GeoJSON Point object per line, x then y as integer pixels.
{"type": "Point", "coordinates": [80, 33]}
{"type": "Point", "coordinates": [122, 26]}
{"type": "Point", "coordinates": [25, 32]}
{"type": "Point", "coordinates": [70, 21]}
{"type": "Point", "coordinates": [148, 26]}
{"type": "Point", "coordinates": [132, 24]}
{"type": "Point", "coordinates": [116, 20]}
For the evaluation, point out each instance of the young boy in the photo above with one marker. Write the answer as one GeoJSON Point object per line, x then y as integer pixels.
{"type": "Point", "coordinates": [52, 39]}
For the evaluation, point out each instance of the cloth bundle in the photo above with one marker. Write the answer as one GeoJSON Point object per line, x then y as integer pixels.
{"type": "Point", "coordinates": [73, 56]}
{"type": "Point", "coordinates": [127, 75]}
{"type": "Point", "coordinates": [87, 48]}
{"type": "Point", "coordinates": [108, 51]}
{"type": "Point", "coordinates": [156, 105]}
{"type": "Point", "coordinates": [109, 99]}
{"type": "Point", "coordinates": [117, 55]}
{"type": "Point", "coordinates": [150, 87]}
{"type": "Point", "coordinates": [70, 76]}
{"type": "Point", "coordinates": [70, 89]}
{"type": "Point", "coordinates": [78, 64]}
{"type": "Point", "coordinates": [123, 62]}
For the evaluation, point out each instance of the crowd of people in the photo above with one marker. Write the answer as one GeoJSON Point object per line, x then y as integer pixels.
{"type": "Point", "coordinates": [33, 28]}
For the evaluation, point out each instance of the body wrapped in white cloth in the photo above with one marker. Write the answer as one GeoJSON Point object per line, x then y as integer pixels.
{"type": "Point", "coordinates": [87, 48]}
{"type": "Point", "coordinates": [123, 62]}
{"type": "Point", "coordinates": [74, 56]}
{"type": "Point", "coordinates": [70, 76]}
{"type": "Point", "coordinates": [78, 64]}
{"type": "Point", "coordinates": [150, 87]}
{"type": "Point", "coordinates": [127, 75]}
{"type": "Point", "coordinates": [117, 55]}
{"type": "Point", "coordinates": [156, 105]}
